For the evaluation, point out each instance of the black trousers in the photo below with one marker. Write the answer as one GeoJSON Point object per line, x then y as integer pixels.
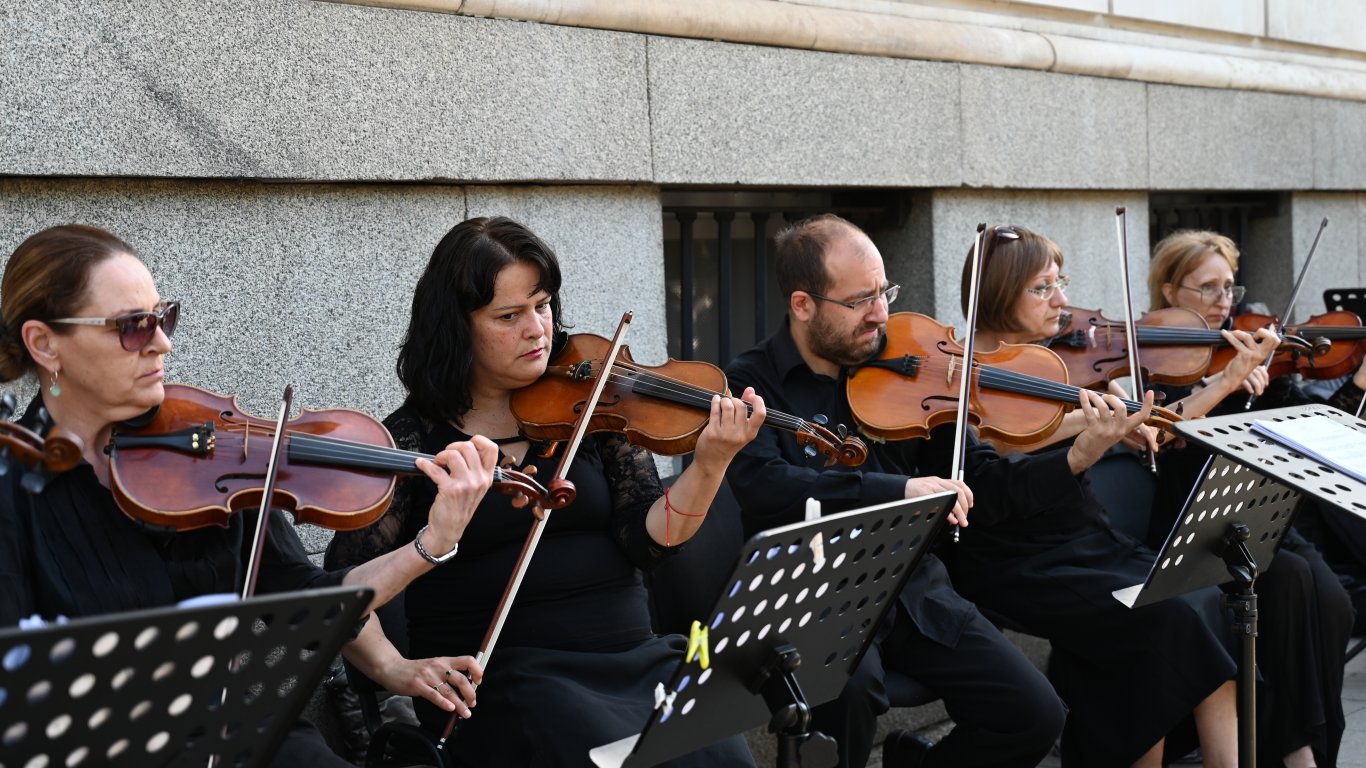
{"type": "Point", "coordinates": [304, 745]}
{"type": "Point", "coordinates": [1005, 712]}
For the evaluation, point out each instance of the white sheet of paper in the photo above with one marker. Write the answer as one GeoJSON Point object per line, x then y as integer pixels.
{"type": "Point", "coordinates": [1323, 439]}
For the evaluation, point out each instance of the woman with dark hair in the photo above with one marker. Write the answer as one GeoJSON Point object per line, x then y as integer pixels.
{"type": "Point", "coordinates": [1128, 676]}
{"type": "Point", "coordinates": [83, 314]}
{"type": "Point", "coordinates": [577, 661]}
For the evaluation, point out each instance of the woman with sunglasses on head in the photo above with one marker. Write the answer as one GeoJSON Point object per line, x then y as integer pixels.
{"type": "Point", "coordinates": [577, 662]}
{"type": "Point", "coordinates": [82, 314]}
{"type": "Point", "coordinates": [1307, 616]}
{"type": "Point", "coordinates": [1128, 676]}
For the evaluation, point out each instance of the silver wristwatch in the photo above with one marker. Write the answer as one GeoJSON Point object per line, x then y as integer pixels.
{"type": "Point", "coordinates": [428, 556]}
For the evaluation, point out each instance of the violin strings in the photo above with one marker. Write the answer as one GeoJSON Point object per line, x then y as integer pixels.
{"type": "Point", "coordinates": [692, 394]}
{"type": "Point", "coordinates": [1001, 379]}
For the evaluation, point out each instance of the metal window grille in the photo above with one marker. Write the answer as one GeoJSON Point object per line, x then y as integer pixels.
{"type": "Point", "coordinates": [718, 259]}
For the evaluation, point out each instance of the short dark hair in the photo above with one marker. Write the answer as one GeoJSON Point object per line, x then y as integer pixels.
{"type": "Point", "coordinates": [799, 253]}
{"type": "Point", "coordinates": [47, 277]}
{"type": "Point", "coordinates": [437, 352]}
{"type": "Point", "coordinates": [1008, 264]}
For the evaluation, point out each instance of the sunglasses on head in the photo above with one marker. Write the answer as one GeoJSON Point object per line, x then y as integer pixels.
{"type": "Point", "coordinates": [993, 237]}
{"type": "Point", "coordinates": [136, 329]}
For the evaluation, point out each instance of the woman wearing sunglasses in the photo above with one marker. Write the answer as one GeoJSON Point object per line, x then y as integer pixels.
{"type": "Point", "coordinates": [1128, 676]}
{"type": "Point", "coordinates": [82, 314]}
{"type": "Point", "coordinates": [577, 662]}
{"type": "Point", "coordinates": [1306, 614]}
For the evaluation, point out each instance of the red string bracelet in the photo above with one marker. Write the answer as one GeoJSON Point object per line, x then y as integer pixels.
{"type": "Point", "coordinates": [668, 508]}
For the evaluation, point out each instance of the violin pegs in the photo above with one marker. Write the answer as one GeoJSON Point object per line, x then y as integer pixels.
{"type": "Point", "coordinates": [820, 419]}
{"type": "Point", "coordinates": [44, 422]}
{"type": "Point", "coordinates": [810, 451]}
{"type": "Point", "coordinates": [7, 406]}
{"type": "Point", "coordinates": [842, 431]}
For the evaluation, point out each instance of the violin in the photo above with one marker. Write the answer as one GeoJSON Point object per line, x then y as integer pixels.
{"type": "Point", "coordinates": [199, 459]}
{"type": "Point", "coordinates": [661, 408]}
{"type": "Point", "coordinates": [49, 450]}
{"type": "Point", "coordinates": [1335, 347]}
{"type": "Point", "coordinates": [911, 387]}
{"type": "Point", "coordinates": [1179, 347]}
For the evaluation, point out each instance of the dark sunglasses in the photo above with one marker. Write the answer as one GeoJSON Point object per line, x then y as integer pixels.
{"type": "Point", "coordinates": [136, 329]}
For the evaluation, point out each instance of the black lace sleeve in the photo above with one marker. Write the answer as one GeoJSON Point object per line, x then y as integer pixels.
{"type": "Point", "coordinates": [1347, 397]}
{"type": "Point", "coordinates": [634, 483]}
{"type": "Point", "coordinates": [351, 548]}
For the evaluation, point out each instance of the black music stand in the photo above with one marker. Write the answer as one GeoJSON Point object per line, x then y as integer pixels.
{"type": "Point", "coordinates": [788, 632]}
{"type": "Point", "coordinates": [1234, 521]}
{"type": "Point", "coordinates": [170, 686]}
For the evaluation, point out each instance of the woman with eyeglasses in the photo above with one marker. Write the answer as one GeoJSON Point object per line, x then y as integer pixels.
{"type": "Point", "coordinates": [1306, 615]}
{"type": "Point", "coordinates": [82, 314]}
{"type": "Point", "coordinates": [577, 662]}
{"type": "Point", "coordinates": [1128, 676]}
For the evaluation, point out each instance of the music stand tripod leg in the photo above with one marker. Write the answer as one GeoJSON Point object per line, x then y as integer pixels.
{"type": "Point", "coordinates": [1242, 599]}
{"type": "Point", "coordinates": [798, 745]}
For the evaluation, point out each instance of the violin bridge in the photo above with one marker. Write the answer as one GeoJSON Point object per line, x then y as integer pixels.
{"type": "Point", "coordinates": [953, 362]}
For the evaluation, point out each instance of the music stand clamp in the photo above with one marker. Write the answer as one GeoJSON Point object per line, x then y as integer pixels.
{"type": "Point", "coordinates": [802, 606]}
{"type": "Point", "coordinates": [1234, 521]}
{"type": "Point", "coordinates": [170, 686]}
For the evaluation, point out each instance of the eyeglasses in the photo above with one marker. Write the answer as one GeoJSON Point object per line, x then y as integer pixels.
{"type": "Point", "coordinates": [1045, 292]}
{"type": "Point", "coordinates": [1211, 292]}
{"type": "Point", "coordinates": [136, 329]}
{"type": "Point", "coordinates": [861, 305]}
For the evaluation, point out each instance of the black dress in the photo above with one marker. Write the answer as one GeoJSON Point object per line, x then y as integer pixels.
{"type": "Point", "coordinates": [1306, 616]}
{"type": "Point", "coordinates": [577, 662]}
{"type": "Point", "coordinates": [1129, 676]}
{"type": "Point", "coordinates": [71, 552]}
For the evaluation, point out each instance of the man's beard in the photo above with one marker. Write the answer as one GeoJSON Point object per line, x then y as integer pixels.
{"type": "Point", "coordinates": [842, 347]}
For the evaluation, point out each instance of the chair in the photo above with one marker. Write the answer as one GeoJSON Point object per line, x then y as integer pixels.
{"type": "Point", "coordinates": [392, 744]}
{"type": "Point", "coordinates": [1349, 299]}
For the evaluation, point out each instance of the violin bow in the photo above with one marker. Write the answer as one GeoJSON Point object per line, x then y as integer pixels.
{"type": "Point", "coordinates": [1294, 296]}
{"type": "Point", "coordinates": [1136, 388]}
{"type": "Point", "coordinates": [541, 515]}
{"type": "Point", "coordinates": [960, 425]}
{"type": "Point", "coordinates": [267, 491]}
{"type": "Point", "coordinates": [259, 538]}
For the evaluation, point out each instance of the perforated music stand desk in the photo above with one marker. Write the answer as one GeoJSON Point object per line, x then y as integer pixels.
{"type": "Point", "coordinates": [781, 601]}
{"type": "Point", "coordinates": [1234, 521]}
{"type": "Point", "coordinates": [160, 687]}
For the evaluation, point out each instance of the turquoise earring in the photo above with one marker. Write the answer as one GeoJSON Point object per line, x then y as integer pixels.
{"type": "Point", "coordinates": [56, 388]}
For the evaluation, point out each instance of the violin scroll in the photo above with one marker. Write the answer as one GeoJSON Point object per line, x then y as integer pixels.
{"type": "Point", "coordinates": [43, 452]}
{"type": "Point", "coordinates": [841, 448]}
{"type": "Point", "coordinates": [526, 490]}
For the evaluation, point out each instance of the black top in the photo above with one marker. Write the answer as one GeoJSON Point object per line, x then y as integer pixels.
{"type": "Point", "coordinates": [71, 552]}
{"type": "Point", "coordinates": [772, 477]}
{"type": "Point", "coordinates": [582, 590]}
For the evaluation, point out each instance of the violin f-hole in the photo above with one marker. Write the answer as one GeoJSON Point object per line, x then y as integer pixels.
{"type": "Point", "coordinates": [220, 486]}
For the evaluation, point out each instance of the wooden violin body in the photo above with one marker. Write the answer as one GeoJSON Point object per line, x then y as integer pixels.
{"type": "Point", "coordinates": [1176, 346]}
{"type": "Point", "coordinates": [201, 458]}
{"type": "Point", "coordinates": [1335, 345]}
{"type": "Point", "coordinates": [661, 408]}
{"type": "Point", "coordinates": [1019, 397]}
